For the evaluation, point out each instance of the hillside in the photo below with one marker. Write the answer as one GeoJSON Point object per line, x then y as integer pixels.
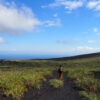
{"type": "Point", "coordinates": [92, 55]}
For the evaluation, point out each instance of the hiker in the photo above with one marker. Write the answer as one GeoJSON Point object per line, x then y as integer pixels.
{"type": "Point", "coordinates": [60, 71]}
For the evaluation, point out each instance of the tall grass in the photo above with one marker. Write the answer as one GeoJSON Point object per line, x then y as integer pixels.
{"type": "Point", "coordinates": [15, 82]}
{"type": "Point", "coordinates": [84, 79]}
{"type": "Point", "coordinates": [90, 96]}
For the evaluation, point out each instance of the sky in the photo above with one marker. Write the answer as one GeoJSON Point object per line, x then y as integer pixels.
{"type": "Point", "coordinates": [54, 27]}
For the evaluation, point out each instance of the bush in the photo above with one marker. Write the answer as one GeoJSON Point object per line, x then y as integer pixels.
{"type": "Point", "coordinates": [88, 83]}
{"type": "Point", "coordinates": [56, 83]}
{"type": "Point", "coordinates": [14, 82]}
{"type": "Point", "coordinates": [90, 96]}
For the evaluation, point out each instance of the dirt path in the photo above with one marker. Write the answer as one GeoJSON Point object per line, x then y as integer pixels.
{"type": "Point", "coordinates": [67, 92]}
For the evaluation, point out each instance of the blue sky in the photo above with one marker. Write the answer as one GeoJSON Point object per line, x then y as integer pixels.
{"type": "Point", "coordinates": [60, 27]}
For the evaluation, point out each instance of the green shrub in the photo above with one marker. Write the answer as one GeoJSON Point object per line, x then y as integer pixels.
{"type": "Point", "coordinates": [88, 83]}
{"type": "Point", "coordinates": [14, 82]}
{"type": "Point", "coordinates": [56, 83]}
{"type": "Point", "coordinates": [84, 79]}
{"type": "Point", "coordinates": [90, 96]}
{"type": "Point", "coordinates": [77, 73]}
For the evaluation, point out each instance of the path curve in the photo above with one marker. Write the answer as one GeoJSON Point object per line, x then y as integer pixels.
{"type": "Point", "coordinates": [67, 92]}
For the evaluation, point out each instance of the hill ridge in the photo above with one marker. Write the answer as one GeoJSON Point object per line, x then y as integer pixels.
{"type": "Point", "coordinates": [90, 55]}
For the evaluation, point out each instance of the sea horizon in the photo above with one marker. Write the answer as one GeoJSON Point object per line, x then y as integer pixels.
{"type": "Point", "coordinates": [30, 56]}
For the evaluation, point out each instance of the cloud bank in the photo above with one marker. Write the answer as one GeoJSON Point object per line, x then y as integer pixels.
{"type": "Point", "coordinates": [94, 5]}
{"type": "Point", "coordinates": [70, 5]}
{"type": "Point", "coordinates": [14, 20]}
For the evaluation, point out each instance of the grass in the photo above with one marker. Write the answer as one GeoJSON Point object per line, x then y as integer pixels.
{"type": "Point", "coordinates": [21, 76]}
{"type": "Point", "coordinates": [15, 82]}
{"type": "Point", "coordinates": [89, 84]}
{"type": "Point", "coordinates": [90, 96]}
{"type": "Point", "coordinates": [84, 79]}
{"type": "Point", "coordinates": [56, 83]}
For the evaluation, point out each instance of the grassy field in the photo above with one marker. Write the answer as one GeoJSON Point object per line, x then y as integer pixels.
{"type": "Point", "coordinates": [14, 81]}
{"type": "Point", "coordinates": [85, 81]}
{"type": "Point", "coordinates": [17, 76]}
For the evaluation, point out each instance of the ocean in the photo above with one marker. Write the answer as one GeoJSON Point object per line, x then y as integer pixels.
{"type": "Point", "coordinates": [29, 56]}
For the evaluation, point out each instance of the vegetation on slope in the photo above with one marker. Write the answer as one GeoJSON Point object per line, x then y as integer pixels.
{"type": "Point", "coordinates": [85, 81]}
{"type": "Point", "coordinates": [17, 76]}
{"type": "Point", "coordinates": [15, 82]}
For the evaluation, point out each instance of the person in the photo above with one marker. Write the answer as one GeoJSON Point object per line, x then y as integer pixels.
{"type": "Point", "coordinates": [60, 71]}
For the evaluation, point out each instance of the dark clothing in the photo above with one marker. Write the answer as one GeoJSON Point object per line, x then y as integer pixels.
{"type": "Point", "coordinates": [60, 73]}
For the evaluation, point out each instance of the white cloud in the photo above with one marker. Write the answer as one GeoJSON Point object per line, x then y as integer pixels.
{"type": "Point", "coordinates": [98, 7]}
{"type": "Point", "coordinates": [86, 49]}
{"type": "Point", "coordinates": [14, 20]}
{"type": "Point", "coordinates": [69, 5]}
{"type": "Point", "coordinates": [94, 5]}
{"type": "Point", "coordinates": [83, 48]}
{"type": "Point", "coordinates": [91, 41]}
{"type": "Point", "coordinates": [95, 30]}
{"type": "Point", "coordinates": [76, 50]}
{"type": "Point", "coordinates": [56, 3]}
{"type": "Point", "coordinates": [66, 41]}
{"type": "Point", "coordinates": [2, 40]}
{"type": "Point", "coordinates": [56, 22]}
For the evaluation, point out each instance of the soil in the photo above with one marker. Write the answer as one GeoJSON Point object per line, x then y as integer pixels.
{"type": "Point", "coordinates": [97, 74]}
